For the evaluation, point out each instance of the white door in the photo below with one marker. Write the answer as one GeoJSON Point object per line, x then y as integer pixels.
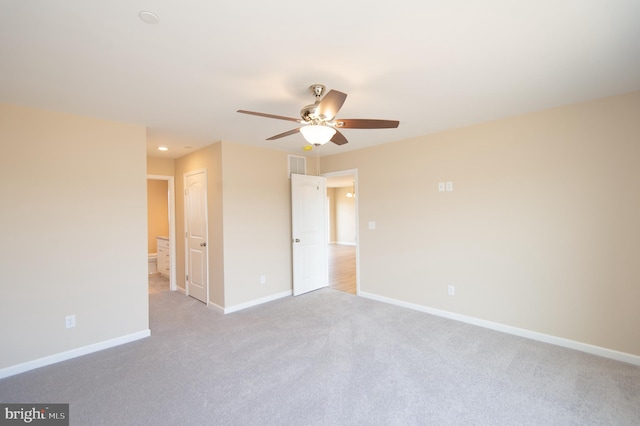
{"type": "Point", "coordinates": [195, 205]}
{"type": "Point", "coordinates": [309, 234]}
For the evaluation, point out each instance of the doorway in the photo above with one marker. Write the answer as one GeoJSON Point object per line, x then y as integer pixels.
{"type": "Point", "coordinates": [161, 223]}
{"type": "Point", "coordinates": [342, 238]}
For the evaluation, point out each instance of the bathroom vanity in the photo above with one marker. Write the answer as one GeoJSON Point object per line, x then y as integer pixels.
{"type": "Point", "coordinates": [164, 256]}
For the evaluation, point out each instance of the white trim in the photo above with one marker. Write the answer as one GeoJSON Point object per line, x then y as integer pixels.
{"type": "Point", "coordinates": [73, 353]}
{"type": "Point", "coordinates": [354, 173]}
{"type": "Point", "coordinates": [257, 302]}
{"type": "Point", "coordinates": [533, 335]}
{"type": "Point", "coordinates": [172, 227]}
{"type": "Point", "coordinates": [215, 307]}
{"type": "Point", "coordinates": [342, 243]}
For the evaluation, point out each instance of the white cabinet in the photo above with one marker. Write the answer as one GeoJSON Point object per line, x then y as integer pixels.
{"type": "Point", "coordinates": [164, 256]}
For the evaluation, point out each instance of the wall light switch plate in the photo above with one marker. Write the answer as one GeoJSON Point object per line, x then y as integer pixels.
{"type": "Point", "coordinates": [440, 186]}
{"type": "Point", "coordinates": [372, 224]}
{"type": "Point", "coordinates": [70, 321]}
{"type": "Point", "coordinates": [451, 290]}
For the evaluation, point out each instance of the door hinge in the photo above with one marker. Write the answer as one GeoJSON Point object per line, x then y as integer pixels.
{"type": "Point", "coordinates": [186, 193]}
{"type": "Point", "coordinates": [187, 279]}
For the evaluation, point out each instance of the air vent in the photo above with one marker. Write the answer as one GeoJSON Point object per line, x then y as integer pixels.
{"type": "Point", "coordinates": [297, 165]}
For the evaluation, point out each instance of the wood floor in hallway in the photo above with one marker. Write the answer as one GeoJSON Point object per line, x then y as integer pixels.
{"type": "Point", "coordinates": [342, 267]}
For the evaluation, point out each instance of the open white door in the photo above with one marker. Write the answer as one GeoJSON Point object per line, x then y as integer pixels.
{"type": "Point", "coordinates": [195, 184]}
{"type": "Point", "coordinates": [308, 207]}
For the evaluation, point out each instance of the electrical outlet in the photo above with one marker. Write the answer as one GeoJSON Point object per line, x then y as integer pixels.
{"type": "Point", "coordinates": [441, 187]}
{"type": "Point", "coordinates": [451, 290]}
{"type": "Point", "coordinates": [70, 321]}
{"type": "Point", "coordinates": [263, 279]}
{"type": "Point", "coordinates": [449, 186]}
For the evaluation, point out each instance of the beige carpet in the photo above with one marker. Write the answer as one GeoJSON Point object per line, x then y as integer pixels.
{"type": "Point", "coordinates": [330, 358]}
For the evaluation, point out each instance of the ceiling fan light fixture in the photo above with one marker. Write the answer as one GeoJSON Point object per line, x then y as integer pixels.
{"type": "Point", "coordinates": [317, 134]}
{"type": "Point", "coordinates": [318, 124]}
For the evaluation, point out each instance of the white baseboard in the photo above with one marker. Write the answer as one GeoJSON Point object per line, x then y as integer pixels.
{"type": "Point", "coordinates": [533, 335]}
{"type": "Point", "coordinates": [342, 243]}
{"type": "Point", "coordinates": [73, 353]}
{"type": "Point", "coordinates": [257, 302]}
{"type": "Point", "coordinates": [215, 307]}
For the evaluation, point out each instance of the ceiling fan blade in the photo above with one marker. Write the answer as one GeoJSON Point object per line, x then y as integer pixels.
{"type": "Point", "coordinates": [282, 135]}
{"type": "Point", "coordinates": [339, 138]}
{"type": "Point", "coordinates": [261, 114]}
{"type": "Point", "coordinates": [363, 123]}
{"type": "Point", "coordinates": [331, 104]}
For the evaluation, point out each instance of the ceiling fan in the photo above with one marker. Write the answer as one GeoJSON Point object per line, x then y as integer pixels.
{"type": "Point", "coordinates": [319, 123]}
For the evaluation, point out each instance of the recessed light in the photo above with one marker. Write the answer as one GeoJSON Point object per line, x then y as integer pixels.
{"type": "Point", "coordinates": [149, 17]}
{"type": "Point", "coordinates": [163, 148]}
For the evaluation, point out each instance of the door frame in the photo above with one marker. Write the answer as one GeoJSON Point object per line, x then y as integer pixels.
{"type": "Point", "coordinates": [172, 226]}
{"type": "Point", "coordinates": [354, 173]}
{"type": "Point", "coordinates": [206, 229]}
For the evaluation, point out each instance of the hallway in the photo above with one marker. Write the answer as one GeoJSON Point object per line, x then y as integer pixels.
{"type": "Point", "coordinates": [342, 267]}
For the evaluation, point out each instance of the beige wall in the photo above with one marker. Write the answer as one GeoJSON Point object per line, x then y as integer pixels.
{"type": "Point", "coordinates": [331, 196]}
{"type": "Point", "coordinates": [160, 166]}
{"type": "Point", "coordinates": [257, 222]}
{"type": "Point", "coordinates": [541, 231]}
{"type": "Point", "coordinates": [312, 166]}
{"type": "Point", "coordinates": [345, 216]}
{"type": "Point", "coordinates": [157, 211]}
{"type": "Point", "coordinates": [73, 226]}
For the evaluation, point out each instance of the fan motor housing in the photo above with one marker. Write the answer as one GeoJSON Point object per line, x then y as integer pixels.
{"type": "Point", "coordinates": [309, 112]}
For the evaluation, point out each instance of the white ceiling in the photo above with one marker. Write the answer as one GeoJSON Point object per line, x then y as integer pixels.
{"type": "Point", "coordinates": [433, 65]}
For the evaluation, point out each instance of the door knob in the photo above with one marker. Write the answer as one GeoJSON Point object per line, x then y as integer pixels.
{"type": "Point", "coordinates": [297, 240]}
{"type": "Point", "coordinates": [203, 244]}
